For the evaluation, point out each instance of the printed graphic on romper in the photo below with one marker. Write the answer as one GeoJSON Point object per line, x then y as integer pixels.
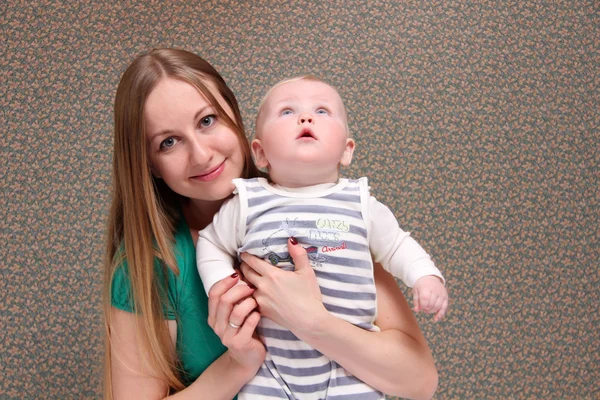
{"type": "Point", "coordinates": [325, 235]}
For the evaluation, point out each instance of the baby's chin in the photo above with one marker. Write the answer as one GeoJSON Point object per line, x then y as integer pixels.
{"type": "Point", "coordinates": [304, 177]}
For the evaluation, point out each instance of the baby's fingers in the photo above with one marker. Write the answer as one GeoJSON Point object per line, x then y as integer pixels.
{"type": "Point", "coordinates": [426, 300]}
{"type": "Point", "coordinates": [416, 300]}
{"type": "Point", "coordinates": [437, 304]}
{"type": "Point", "coordinates": [442, 311]}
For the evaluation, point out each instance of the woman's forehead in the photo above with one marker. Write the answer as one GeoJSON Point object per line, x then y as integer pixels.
{"type": "Point", "coordinates": [177, 92]}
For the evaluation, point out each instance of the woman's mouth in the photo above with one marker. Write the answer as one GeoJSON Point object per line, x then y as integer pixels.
{"type": "Point", "coordinates": [210, 175]}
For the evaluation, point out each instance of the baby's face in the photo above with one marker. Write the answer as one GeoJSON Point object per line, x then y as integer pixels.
{"type": "Point", "coordinates": [302, 134]}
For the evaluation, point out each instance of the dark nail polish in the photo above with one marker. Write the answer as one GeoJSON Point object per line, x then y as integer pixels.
{"type": "Point", "coordinates": [293, 240]}
{"type": "Point", "coordinates": [234, 275]}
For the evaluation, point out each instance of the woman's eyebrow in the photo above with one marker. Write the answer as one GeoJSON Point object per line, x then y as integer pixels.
{"type": "Point", "coordinates": [202, 111]}
{"type": "Point", "coordinates": [160, 133]}
{"type": "Point", "coordinates": [170, 131]}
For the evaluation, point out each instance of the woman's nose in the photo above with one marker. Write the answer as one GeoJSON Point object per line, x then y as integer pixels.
{"type": "Point", "coordinates": [305, 118]}
{"type": "Point", "coordinates": [200, 153]}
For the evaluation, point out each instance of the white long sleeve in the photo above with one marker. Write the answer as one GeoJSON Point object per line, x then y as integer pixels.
{"type": "Point", "coordinates": [399, 253]}
{"type": "Point", "coordinates": [217, 246]}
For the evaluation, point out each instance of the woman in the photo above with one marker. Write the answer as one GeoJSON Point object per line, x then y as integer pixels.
{"type": "Point", "coordinates": [179, 141]}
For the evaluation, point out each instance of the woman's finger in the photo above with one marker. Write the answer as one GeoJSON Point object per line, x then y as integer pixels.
{"type": "Point", "coordinates": [235, 328]}
{"type": "Point", "coordinates": [241, 311]}
{"type": "Point", "coordinates": [249, 324]}
{"type": "Point", "coordinates": [238, 339]}
{"type": "Point", "coordinates": [250, 275]}
{"type": "Point", "coordinates": [299, 255]}
{"type": "Point", "coordinates": [215, 293]}
{"type": "Point", "coordinates": [256, 264]}
{"type": "Point", "coordinates": [226, 303]}
{"type": "Point", "coordinates": [252, 322]}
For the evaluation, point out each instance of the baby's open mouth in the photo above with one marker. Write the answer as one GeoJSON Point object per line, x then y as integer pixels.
{"type": "Point", "coordinates": [306, 133]}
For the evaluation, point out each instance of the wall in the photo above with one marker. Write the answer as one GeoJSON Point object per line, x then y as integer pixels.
{"type": "Point", "coordinates": [477, 122]}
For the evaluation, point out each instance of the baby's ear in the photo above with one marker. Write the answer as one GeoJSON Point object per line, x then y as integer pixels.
{"type": "Point", "coordinates": [347, 156]}
{"type": "Point", "coordinates": [258, 153]}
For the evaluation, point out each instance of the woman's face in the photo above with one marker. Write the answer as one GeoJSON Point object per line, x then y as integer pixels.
{"type": "Point", "coordinates": [190, 147]}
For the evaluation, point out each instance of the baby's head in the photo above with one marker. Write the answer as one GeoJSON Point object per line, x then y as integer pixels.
{"type": "Point", "coordinates": [302, 133]}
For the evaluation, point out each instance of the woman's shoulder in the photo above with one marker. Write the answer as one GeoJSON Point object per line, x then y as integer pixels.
{"type": "Point", "coordinates": [197, 345]}
{"type": "Point", "coordinates": [175, 281]}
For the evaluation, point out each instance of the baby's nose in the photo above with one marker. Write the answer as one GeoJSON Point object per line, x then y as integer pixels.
{"type": "Point", "coordinates": [305, 118]}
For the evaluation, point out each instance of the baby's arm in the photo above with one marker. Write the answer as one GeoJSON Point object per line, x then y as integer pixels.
{"type": "Point", "coordinates": [217, 245]}
{"type": "Point", "coordinates": [404, 258]}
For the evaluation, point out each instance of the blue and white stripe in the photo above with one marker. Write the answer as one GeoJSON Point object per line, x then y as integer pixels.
{"type": "Point", "coordinates": [331, 226]}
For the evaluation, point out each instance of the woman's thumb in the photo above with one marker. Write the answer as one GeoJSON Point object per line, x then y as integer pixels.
{"type": "Point", "coordinates": [298, 254]}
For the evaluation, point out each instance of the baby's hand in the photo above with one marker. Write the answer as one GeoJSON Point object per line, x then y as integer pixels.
{"type": "Point", "coordinates": [430, 296]}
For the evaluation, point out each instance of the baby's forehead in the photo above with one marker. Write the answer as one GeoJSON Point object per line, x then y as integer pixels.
{"type": "Point", "coordinates": [303, 89]}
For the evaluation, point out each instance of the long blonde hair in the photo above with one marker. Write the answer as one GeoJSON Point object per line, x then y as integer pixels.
{"type": "Point", "coordinates": [143, 212]}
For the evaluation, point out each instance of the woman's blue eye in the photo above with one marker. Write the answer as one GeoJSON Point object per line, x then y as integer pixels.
{"type": "Point", "coordinates": [207, 121]}
{"type": "Point", "coordinates": [167, 143]}
{"type": "Point", "coordinates": [286, 112]}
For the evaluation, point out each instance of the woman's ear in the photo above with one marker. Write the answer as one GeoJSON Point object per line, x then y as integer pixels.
{"type": "Point", "coordinates": [259, 155]}
{"type": "Point", "coordinates": [347, 156]}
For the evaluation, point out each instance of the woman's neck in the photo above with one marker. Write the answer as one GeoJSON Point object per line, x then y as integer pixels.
{"type": "Point", "coordinates": [199, 213]}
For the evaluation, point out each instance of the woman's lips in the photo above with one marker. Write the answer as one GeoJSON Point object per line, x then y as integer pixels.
{"type": "Point", "coordinates": [214, 174]}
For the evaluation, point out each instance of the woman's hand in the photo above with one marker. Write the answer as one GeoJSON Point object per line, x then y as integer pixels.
{"type": "Point", "coordinates": [232, 315]}
{"type": "Point", "coordinates": [398, 362]}
{"type": "Point", "coordinates": [291, 299]}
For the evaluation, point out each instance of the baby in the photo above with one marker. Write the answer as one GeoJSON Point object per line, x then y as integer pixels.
{"type": "Point", "coordinates": [302, 139]}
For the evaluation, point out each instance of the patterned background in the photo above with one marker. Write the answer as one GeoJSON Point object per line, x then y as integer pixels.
{"type": "Point", "coordinates": [477, 122]}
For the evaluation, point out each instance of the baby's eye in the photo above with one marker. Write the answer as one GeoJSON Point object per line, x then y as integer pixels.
{"type": "Point", "coordinates": [322, 111]}
{"type": "Point", "coordinates": [286, 112]}
{"type": "Point", "coordinates": [168, 143]}
{"type": "Point", "coordinates": [207, 120]}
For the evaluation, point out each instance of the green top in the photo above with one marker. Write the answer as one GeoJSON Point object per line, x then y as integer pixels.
{"type": "Point", "coordinates": [197, 345]}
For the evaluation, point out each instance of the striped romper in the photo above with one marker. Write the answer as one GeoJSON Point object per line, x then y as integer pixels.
{"type": "Point", "coordinates": [332, 230]}
{"type": "Point", "coordinates": [333, 224]}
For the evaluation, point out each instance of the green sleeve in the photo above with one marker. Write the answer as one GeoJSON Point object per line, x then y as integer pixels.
{"type": "Point", "coordinates": [121, 291]}
{"type": "Point", "coordinates": [197, 344]}
{"type": "Point", "coordinates": [120, 295]}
